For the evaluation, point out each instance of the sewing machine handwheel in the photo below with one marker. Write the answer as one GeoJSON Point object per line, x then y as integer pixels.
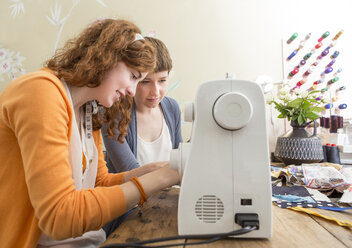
{"type": "Point", "coordinates": [232, 111]}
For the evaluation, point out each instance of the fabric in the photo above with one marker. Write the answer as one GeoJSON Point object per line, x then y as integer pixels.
{"type": "Point", "coordinates": [345, 223]}
{"type": "Point", "coordinates": [322, 177]}
{"type": "Point", "coordinates": [297, 196]}
{"type": "Point", "coordinates": [37, 191]}
{"type": "Point", "coordinates": [157, 150]}
{"type": "Point", "coordinates": [122, 157]}
{"type": "Point", "coordinates": [292, 190]}
{"type": "Point", "coordinates": [294, 198]}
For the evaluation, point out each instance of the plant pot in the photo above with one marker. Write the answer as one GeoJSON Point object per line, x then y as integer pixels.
{"type": "Point", "coordinates": [298, 146]}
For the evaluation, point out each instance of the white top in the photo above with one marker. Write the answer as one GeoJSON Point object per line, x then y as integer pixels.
{"type": "Point", "coordinates": [157, 150]}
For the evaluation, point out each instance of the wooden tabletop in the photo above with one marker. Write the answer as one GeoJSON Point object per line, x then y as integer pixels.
{"type": "Point", "coordinates": [291, 228]}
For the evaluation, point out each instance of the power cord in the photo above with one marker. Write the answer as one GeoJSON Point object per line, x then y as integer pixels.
{"type": "Point", "coordinates": [210, 238]}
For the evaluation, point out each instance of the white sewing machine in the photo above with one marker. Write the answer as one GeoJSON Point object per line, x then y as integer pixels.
{"type": "Point", "coordinates": [225, 167]}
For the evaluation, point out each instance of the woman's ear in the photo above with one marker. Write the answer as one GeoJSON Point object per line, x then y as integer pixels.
{"type": "Point", "coordinates": [92, 85]}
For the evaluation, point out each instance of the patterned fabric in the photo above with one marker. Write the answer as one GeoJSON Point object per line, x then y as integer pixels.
{"type": "Point", "coordinates": [318, 204]}
{"type": "Point", "coordinates": [303, 198]}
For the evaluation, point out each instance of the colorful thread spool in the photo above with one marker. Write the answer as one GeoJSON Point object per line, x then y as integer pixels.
{"type": "Point", "coordinates": [318, 45]}
{"type": "Point", "coordinates": [332, 44]}
{"type": "Point", "coordinates": [307, 56]}
{"type": "Point", "coordinates": [337, 72]}
{"type": "Point", "coordinates": [342, 106]}
{"type": "Point", "coordinates": [294, 72]}
{"type": "Point", "coordinates": [338, 35]}
{"type": "Point", "coordinates": [293, 36]}
{"type": "Point", "coordinates": [326, 34]}
{"type": "Point", "coordinates": [303, 42]}
{"type": "Point", "coordinates": [331, 63]}
{"type": "Point", "coordinates": [318, 82]}
{"type": "Point", "coordinates": [338, 110]}
{"type": "Point", "coordinates": [292, 54]}
{"type": "Point", "coordinates": [335, 54]}
{"type": "Point", "coordinates": [333, 80]}
{"type": "Point", "coordinates": [313, 87]}
{"type": "Point", "coordinates": [325, 52]}
{"type": "Point", "coordinates": [299, 84]}
{"type": "Point", "coordinates": [319, 98]}
{"type": "Point", "coordinates": [341, 88]}
{"type": "Point", "coordinates": [328, 70]}
{"type": "Point", "coordinates": [328, 106]}
{"type": "Point", "coordinates": [310, 70]}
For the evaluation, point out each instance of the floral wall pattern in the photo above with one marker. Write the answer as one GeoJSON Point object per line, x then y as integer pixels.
{"type": "Point", "coordinates": [57, 16]}
{"type": "Point", "coordinates": [10, 64]}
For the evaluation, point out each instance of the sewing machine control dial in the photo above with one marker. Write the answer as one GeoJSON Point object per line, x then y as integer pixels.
{"type": "Point", "coordinates": [232, 111]}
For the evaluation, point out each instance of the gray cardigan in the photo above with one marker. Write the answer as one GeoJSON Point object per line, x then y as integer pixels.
{"type": "Point", "coordinates": [122, 157]}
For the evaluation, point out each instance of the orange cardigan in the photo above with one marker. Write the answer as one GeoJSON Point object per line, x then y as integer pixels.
{"type": "Point", "coordinates": [37, 192]}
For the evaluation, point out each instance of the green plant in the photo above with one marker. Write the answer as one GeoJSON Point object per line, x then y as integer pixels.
{"type": "Point", "coordinates": [298, 105]}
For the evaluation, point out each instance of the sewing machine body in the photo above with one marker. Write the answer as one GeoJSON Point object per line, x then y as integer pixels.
{"type": "Point", "coordinates": [225, 167]}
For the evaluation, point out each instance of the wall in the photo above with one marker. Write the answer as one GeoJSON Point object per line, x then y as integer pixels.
{"type": "Point", "coordinates": [206, 38]}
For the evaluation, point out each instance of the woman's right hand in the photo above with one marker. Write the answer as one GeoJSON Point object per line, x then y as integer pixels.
{"type": "Point", "coordinates": [152, 182]}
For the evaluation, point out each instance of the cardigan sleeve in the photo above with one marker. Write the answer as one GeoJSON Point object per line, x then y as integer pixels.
{"type": "Point", "coordinates": [103, 177]}
{"type": "Point", "coordinates": [172, 114]}
{"type": "Point", "coordinates": [38, 113]}
{"type": "Point", "coordinates": [178, 133]}
{"type": "Point", "coordinates": [120, 156]}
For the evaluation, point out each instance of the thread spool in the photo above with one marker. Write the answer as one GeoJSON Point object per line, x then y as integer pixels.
{"type": "Point", "coordinates": [327, 122]}
{"type": "Point", "coordinates": [293, 36]}
{"type": "Point", "coordinates": [334, 124]}
{"type": "Point", "coordinates": [322, 121]}
{"type": "Point", "coordinates": [339, 122]}
{"type": "Point", "coordinates": [332, 154]}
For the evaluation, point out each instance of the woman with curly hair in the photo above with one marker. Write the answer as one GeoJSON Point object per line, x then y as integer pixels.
{"type": "Point", "coordinates": [55, 190]}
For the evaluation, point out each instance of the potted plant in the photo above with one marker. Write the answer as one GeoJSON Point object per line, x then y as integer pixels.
{"type": "Point", "coordinates": [300, 107]}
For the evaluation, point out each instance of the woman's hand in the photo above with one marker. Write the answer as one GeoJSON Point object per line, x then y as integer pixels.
{"type": "Point", "coordinates": [151, 182]}
{"type": "Point", "coordinates": [145, 169]}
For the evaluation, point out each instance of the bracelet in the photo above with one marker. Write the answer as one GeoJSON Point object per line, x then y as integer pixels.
{"type": "Point", "coordinates": [141, 190]}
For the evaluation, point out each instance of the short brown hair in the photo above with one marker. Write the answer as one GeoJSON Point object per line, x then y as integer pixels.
{"type": "Point", "coordinates": [86, 59]}
{"type": "Point", "coordinates": [163, 59]}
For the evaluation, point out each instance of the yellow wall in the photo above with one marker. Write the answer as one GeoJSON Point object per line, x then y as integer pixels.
{"type": "Point", "coordinates": [206, 38]}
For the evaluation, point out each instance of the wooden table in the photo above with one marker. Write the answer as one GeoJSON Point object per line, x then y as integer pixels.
{"type": "Point", "coordinates": [291, 228]}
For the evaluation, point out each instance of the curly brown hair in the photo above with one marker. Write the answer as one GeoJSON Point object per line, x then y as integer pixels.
{"type": "Point", "coordinates": [86, 60]}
